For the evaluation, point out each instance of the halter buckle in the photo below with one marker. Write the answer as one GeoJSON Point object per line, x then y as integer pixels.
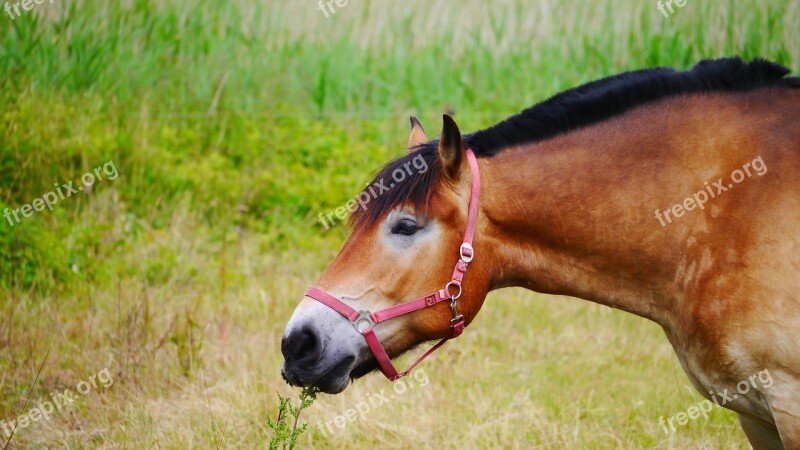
{"type": "Point", "coordinates": [364, 318]}
{"type": "Point", "coordinates": [465, 248]}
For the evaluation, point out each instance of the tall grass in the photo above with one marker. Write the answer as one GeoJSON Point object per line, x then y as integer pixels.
{"type": "Point", "coordinates": [233, 124]}
{"type": "Point", "coordinates": [173, 57]}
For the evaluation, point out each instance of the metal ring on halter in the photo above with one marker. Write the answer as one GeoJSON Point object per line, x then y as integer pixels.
{"type": "Point", "coordinates": [447, 289]}
{"type": "Point", "coordinates": [363, 318]}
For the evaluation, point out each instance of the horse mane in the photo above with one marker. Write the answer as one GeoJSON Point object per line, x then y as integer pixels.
{"type": "Point", "coordinates": [572, 109]}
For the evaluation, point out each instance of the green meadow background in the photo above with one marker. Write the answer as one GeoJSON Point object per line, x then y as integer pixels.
{"type": "Point", "coordinates": [233, 124]}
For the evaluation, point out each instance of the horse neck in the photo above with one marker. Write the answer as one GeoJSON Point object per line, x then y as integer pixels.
{"type": "Point", "coordinates": [574, 215]}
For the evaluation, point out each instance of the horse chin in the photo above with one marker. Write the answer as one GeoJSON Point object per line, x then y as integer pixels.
{"type": "Point", "coordinates": [335, 388]}
{"type": "Point", "coordinates": [336, 379]}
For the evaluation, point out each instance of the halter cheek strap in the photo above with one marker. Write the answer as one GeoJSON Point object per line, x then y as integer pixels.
{"type": "Point", "coordinates": [364, 321]}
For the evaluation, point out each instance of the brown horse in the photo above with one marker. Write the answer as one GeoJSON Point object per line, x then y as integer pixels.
{"type": "Point", "coordinates": [671, 195]}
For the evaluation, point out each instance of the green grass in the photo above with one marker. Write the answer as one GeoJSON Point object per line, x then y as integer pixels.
{"type": "Point", "coordinates": [233, 124]}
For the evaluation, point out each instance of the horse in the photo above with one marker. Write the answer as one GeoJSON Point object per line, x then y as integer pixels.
{"type": "Point", "coordinates": [669, 194]}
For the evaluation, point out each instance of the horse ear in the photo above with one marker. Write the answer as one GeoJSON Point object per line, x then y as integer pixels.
{"type": "Point", "coordinates": [451, 147]}
{"type": "Point", "coordinates": [418, 136]}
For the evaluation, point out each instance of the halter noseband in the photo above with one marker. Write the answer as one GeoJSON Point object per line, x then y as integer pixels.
{"type": "Point", "coordinates": [364, 321]}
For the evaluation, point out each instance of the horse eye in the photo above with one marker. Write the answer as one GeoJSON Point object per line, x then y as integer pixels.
{"type": "Point", "coordinates": [406, 227]}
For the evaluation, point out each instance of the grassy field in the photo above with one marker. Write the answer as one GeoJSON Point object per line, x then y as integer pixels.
{"type": "Point", "coordinates": [232, 125]}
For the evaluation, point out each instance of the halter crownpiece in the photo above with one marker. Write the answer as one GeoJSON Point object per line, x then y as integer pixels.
{"type": "Point", "coordinates": [364, 321]}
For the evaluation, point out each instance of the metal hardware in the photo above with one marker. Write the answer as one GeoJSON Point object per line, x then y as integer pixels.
{"type": "Point", "coordinates": [363, 318]}
{"type": "Point", "coordinates": [447, 290]}
{"type": "Point", "coordinates": [467, 246]}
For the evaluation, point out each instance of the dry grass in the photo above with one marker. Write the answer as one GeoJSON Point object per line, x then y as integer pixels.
{"type": "Point", "coordinates": [201, 367]}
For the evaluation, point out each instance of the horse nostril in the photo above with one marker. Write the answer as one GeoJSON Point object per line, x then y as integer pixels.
{"type": "Point", "coordinates": [301, 345]}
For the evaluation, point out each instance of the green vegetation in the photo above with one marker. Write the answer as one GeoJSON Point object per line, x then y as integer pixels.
{"type": "Point", "coordinates": [232, 125]}
{"type": "Point", "coordinates": [287, 426]}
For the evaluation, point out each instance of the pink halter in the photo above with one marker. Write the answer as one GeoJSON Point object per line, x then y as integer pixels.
{"type": "Point", "coordinates": [364, 321]}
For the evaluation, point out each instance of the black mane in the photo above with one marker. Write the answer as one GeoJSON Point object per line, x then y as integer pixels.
{"type": "Point", "coordinates": [575, 108]}
{"type": "Point", "coordinates": [609, 97]}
